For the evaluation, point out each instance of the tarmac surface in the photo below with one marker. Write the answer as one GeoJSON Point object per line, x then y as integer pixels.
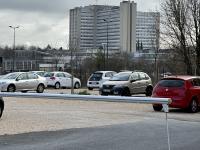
{"type": "Point", "coordinates": [57, 124]}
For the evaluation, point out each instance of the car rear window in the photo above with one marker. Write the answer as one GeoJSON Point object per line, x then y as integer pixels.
{"type": "Point", "coordinates": [96, 77]}
{"type": "Point", "coordinates": [49, 74]}
{"type": "Point", "coordinates": [171, 83]}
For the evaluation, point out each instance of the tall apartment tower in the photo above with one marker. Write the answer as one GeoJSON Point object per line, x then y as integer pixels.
{"type": "Point", "coordinates": [128, 15]}
{"type": "Point", "coordinates": [114, 28]}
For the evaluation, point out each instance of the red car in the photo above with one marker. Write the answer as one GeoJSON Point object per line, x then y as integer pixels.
{"type": "Point", "coordinates": [183, 90]}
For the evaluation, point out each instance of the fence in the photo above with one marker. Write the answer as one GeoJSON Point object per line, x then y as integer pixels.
{"type": "Point", "coordinates": [142, 100]}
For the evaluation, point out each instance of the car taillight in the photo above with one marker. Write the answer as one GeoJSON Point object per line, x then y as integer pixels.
{"type": "Point", "coordinates": [52, 78]}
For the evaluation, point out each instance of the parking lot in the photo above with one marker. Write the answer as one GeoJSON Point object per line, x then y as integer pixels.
{"type": "Point", "coordinates": [24, 115]}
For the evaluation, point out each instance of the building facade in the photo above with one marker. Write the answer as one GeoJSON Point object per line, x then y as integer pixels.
{"type": "Point", "coordinates": [112, 28]}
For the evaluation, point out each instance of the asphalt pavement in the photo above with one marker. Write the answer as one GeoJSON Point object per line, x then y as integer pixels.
{"type": "Point", "coordinates": [149, 134]}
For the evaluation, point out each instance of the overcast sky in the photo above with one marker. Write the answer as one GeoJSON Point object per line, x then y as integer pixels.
{"type": "Point", "coordinates": [45, 22]}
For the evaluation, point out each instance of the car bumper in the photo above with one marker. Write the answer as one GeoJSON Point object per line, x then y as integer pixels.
{"type": "Point", "coordinates": [177, 102]}
{"type": "Point", "coordinates": [50, 83]}
{"type": "Point", "coordinates": [3, 88]}
{"type": "Point", "coordinates": [93, 85]}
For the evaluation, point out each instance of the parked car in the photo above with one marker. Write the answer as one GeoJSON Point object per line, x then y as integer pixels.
{"type": "Point", "coordinates": [40, 73]}
{"type": "Point", "coordinates": [128, 83]}
{"type": "Point", "coordinates": [98, 78]}
{"type": "Point", "coordinates": [183, 90]}
{"type": "Point", "coordinates": [1, 106]}
{"type": "Point", "coordinates": [22, 81]}
{"type": "Point", "coordinates": [61, 79]}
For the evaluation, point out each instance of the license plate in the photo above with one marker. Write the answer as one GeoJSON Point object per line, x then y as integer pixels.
{"type": "Point", "coordinates": [106, 90]}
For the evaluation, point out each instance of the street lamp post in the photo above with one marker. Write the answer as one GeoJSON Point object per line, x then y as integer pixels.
{"type": "Point", "coordinates": [13, 64]}
{"type": "Point", "coordinates": [106, 42]}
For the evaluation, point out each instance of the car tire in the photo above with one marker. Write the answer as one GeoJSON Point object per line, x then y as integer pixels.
{"type": "Point", "coordinates": [77, 85]}
{"type": "Point", "coordinates": [1, 107]}
{"type": "Point", "coordinates": [157, 107]}
{"type": "Point", "coordinates": [11, 88]}
{"type": "Point", "coordinates": [193, 107]}
{"type": "Point", "coordinates": [149, 90]}
{"type": "Point", "coordinates": [40, 88]}
{"type": "Point", "coordinates": [126, 92]}
{"type": "Point", "coordinates": [89, 88]}
{"type": "Point", "coordinates": [104, 94]}
{"type": "Point", "coordinates": [57, 85]}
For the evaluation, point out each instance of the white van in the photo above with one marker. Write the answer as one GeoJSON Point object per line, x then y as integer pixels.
{"type": "Point", "coordinates": [98, 77]}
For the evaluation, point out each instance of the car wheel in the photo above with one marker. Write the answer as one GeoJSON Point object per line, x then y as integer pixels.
{"type": "Point", "coordinates": [157, 107]}
{"type": "Point", "coordinates": [57, 85]}
{"type": "Point", "coordinates": [149, 90]}
{"type": "Point", "coordinates": [1, 106]}
{"type": "Point", "coordinates": [77, 85]}
{"type": "Point", "coordinates": [126, 92]}
{"type": "Point", "coordinates": [89, 88]}
{"type": "Point", "coordinates": [193, 107]}
{"type": "Point", "coordinates": [40, 88]}
{"type": "Point", "coordinates": [104, 94]}
{"type": "Point", "coordinates": [11, 88]}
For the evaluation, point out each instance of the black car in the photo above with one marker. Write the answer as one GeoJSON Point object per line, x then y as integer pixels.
{"type": "Point", "coordinates": [1, 106]}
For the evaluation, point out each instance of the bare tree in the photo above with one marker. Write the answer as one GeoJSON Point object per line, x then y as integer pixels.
{"type": "Point", "coordinates": [194, 26]}
{"type": "Point", "coordinates": [176, 21]}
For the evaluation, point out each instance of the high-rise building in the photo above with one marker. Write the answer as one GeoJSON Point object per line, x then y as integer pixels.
{"type": "Point", "coordinates": [147, 30]}
{"type": "Point", "coordinates": [113, 28]}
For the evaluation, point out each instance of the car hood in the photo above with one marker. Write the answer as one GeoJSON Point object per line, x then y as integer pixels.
{"type": "Point", "coordinates": [115, 82]}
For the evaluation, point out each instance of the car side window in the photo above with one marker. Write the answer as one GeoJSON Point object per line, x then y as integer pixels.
{"type": "Point", "coordinates": [142, 76]}
{"type": "Point", "coordinates": [135, 77]}
{"type": "Point", "coordinates": [196, 82]}
{"type": "Point", "coordinates": [59, 75]}
{"type": "Point", "coordinates": [108, 74]}
{"type": "Point", "coordinates": [22, 77]}
{"type": "Point", "coordinates": [32, 76]}
{"type": "Point", "coordinates": [67, 75]}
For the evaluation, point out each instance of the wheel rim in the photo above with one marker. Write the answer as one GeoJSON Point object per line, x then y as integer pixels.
{"type": "Point", "coordinates": [40, 88]}
{"type": "Point", "coordinates": [57, 85]}
{"type": "Point", "coordinates": [194, 106]}
{"type": "Point", "coordinates": [11, 89]}
{"type": "Point", "coordinates": [76, 85]}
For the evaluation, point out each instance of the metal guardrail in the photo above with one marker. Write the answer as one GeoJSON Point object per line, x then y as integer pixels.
{"type": "Point", "coordinates": [143, 100]}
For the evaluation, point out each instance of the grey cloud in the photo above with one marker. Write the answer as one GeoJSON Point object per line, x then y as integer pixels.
{"type": "Point", "coordinates": [50, 6]}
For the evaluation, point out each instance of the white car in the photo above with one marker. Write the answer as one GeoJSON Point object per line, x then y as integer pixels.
{"type": "Point", "coordinates": [98, 78]}
{"type": "Point", "coordinates": [22, 81]}
{"type": "Point", "coordinates": [61, 79]}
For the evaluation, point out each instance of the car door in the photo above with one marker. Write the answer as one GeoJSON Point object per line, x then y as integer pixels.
{"type": "Point", "coordinates": [142, 85]}
{"type": "Point", "coordinates": [22, 82]}
{"type": "Point", "coordinates": [32, 81]}
{"type": "Point", "coordinates": [62, 79]}
{"type": "Point", "coordinates": [134, 84]}
{"type": "Point", "coordinates": [68, 79]}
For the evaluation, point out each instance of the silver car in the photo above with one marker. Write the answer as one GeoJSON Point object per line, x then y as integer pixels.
{"type": "Point", "coordinates": [128, 83]}
{"type": "Point", "coordinates": [22, 81]}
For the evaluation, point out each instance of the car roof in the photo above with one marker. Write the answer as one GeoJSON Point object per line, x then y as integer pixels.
{"type": "Point", "coordinates": [183, 77]}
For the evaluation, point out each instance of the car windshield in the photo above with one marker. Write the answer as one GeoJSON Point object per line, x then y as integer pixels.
{"type": "Point", "coordinates": [49, 74]}
{"type": "Point", "coordinates": [121, 77]}
{"type": "Point", "coordinates": [171, 83]}
{"type": "Point", "coordinates": [96, 77]}
{"type": "Point", "coordinates": [11, 75]}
